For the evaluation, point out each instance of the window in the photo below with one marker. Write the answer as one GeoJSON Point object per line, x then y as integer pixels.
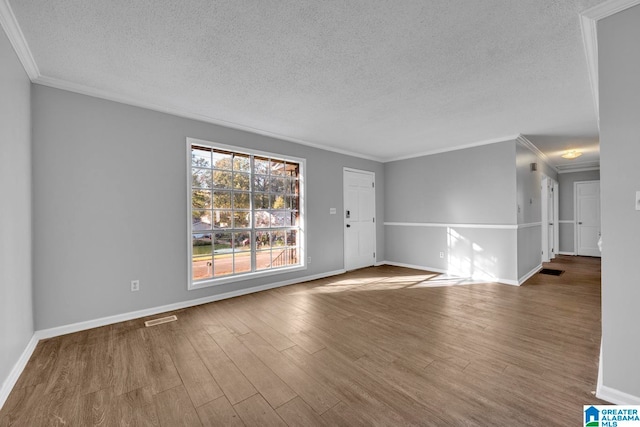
{"type": "Point", "coordinates": [245, 213]}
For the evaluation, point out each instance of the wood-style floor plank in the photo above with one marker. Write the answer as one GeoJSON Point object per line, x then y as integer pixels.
{"type": "Point", "coordinates": [197, 379]}
{"type": "Point", "coordinates": [219, 413]}
{"type": "Point", "coordinates": [255, 411]}
{"type": "Point", "coordinates": [315, 394]}
{"type": "Point", "coordinates": [378, 346]}
{"type": "Point", "coordinates": [231, 380]}
{"type": "Point", "coordinates": [270, 386]}
{"type": "Point", "coordinates": [174, 408]}
{"type": "Point", "coordinates": [296, 413]}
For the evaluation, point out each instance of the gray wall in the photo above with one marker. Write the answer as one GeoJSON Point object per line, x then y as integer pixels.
{"type": "Point", "coordinates": [16, 305]}
{"type": "Point", "coordinates": [110, 201]}
{"type": "Point", "coordinates": [529, 208]}
{"type": "Point", "coordinates": [471, 186]}
{"type": "Point", "coordinates": [566, 205]}
{"type": "Point", "coordinates": [619, 70]}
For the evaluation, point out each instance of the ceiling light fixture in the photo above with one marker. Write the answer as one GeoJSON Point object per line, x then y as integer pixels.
{"type": "Point", "coordinates": [572, 154]}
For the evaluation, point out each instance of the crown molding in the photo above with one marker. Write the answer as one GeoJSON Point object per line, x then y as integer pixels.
{"type": "Point", "coordinates": [11, 27]}
{"type": "Point", "coordinates": [578, 167]}
{"type": "Point", "coordinates": [454, 148]}
{"type": "Point", "coordinates": [524, 141]}
{"type": "Point", "coordinates": [588, 23]}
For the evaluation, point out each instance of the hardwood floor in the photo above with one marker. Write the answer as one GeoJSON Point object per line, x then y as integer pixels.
{"type": "Point", "coordinates": [378, 346]}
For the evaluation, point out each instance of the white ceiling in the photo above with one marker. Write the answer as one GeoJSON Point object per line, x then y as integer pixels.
{"type": "Point", "coordinates": [383, 79]}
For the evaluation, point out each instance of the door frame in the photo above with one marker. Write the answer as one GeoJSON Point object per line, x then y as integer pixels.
{"type": "Point", "coordinates": [546, 183]}
{"type": "Point", "coordinates": [344, 218]}
{"type": "Point", "coordinates": [575, 212]}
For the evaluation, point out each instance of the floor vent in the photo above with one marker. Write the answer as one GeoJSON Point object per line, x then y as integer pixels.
{"type": "Point", "coordinates": [160, 321]}
{"type": "Point", "coordinates": [551, 272]}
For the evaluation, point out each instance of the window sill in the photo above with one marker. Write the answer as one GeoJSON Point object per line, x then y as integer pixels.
{"type": "Point", "coordinates": [242, 277]}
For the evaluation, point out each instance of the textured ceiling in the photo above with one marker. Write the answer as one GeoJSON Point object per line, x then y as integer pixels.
{"type": "Point", "coordinates": [384, 79]}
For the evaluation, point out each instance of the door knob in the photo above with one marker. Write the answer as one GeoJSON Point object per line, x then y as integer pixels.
{"type": "Point", "coordinates": [348, 225]}
{"type": "Point", "coordinates": [580, 223]}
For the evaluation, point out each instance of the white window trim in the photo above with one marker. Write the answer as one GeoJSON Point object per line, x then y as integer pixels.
{"type": "Point", "coordinates": [191, 285]}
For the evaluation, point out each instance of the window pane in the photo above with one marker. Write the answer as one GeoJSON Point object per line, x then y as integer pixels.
{"type": "Point", "coordinates": [222, 243]}
{"type": "Point", "coordinates": [277, 185]}
{"type": "Point", "coordinates": [293, 169]}
{"type": "Point", "coordinates": [201, 267]}
{"type": "Point", "coordinates": [263, 260]}
{"type": "Point", "coordinates": [200, 157]}
{"type": "Point", "coordinates": [221, 160]}
{"type": "Point", "coordinates": [282, 257]}
{"type": "Point", "coordinates": [222, 219]}
{"type": "Point", "coordinates": [241, 219]}
{"type": "Point", "coordinates": [289, 219]}
{"type": "Point", "coordinates": [291, 202]}
{"type": "Point", "coordinates": [277, 167]}
{"type": "Point", "coordinates": [201, 244]}
{"type": "Point", "coordinates": [201, 199]}
{"type": "Point", "coordinates": [294, 202]}
{"type": "Point", "coordinates": [200, 220]}
{"type": "Point", "coordinates": [262, 240]}
{"type": "Point", "coordinates": [261, 201]}
{"type": "Point", "coordinates": [242, 240]}
{"type": "Point", "coordinates": [294, 186]}
{"type": "Point", "coordinates": [260, 183]}
{"type": "Point", "coordinates": [262, 219]}
{"type": "Point", "coordinates": [242, 262]}
{"type": "Point", "coordinates": [292, 238]}
{"type": "Point", "coordinates": [200, 178]}
{"type": "Point", "coordinates": [277, 202]}
{"type": "Point", "coordinates": [261, 165]}
{"type": "Point", "coordinates": [222, 264]}
{"type": "Point", "coordinates": [241, 201]}
{"type": "Point", "coordinates": [241, 181]}
{"type": "Point", "coordinates": [222, 199]}
{"type": "Point", "coordinates": [241, 162]}
{"type": "Point", "coordinates": [291, 256]}
{"type": "Point", "coordinates": [277, 238]}
{"type": "Point", "coordinates": [222, 179]}
{"type": "Point", "coordinates": [279, 219]}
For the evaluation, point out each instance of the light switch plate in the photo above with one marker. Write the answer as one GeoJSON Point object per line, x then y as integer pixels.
{"type": "Point", "coordinates": [638, 200]}
{"type": "Point", "coordinates": [332, 211]}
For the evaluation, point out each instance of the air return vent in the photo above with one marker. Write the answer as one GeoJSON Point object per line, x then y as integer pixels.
{"type": "Point", "coordinates": [160, 321]}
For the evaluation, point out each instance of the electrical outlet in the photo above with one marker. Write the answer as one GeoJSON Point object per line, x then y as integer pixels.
{"type": "Point", "coordinates": [309, 260]}
{"type": "Point", "coordinates": [441, 254]}
{"type": "Point", "coordinates": [135, 285]}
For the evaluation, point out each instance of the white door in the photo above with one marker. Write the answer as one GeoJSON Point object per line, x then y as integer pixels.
{"type": "Point", "coordinates": [359, 219]}
{"type": "Point", "coordinates": [587, 195]}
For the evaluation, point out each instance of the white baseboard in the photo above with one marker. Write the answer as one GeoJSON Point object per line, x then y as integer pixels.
{"type": "Point", "coordinates": [566, 253]}
{"type": "Point", "coordinates": [529, 274]}
{"type": "Point", "coordinates": [415, 267]}
{"type": "Point", "coordinates": [11, 380]}
{"type": "Point", "coordinates": [441, 271]}
{"type": "Point", "coordinates": [103, 321]}
{"type": "Point", "coordinates": [616, 397]}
